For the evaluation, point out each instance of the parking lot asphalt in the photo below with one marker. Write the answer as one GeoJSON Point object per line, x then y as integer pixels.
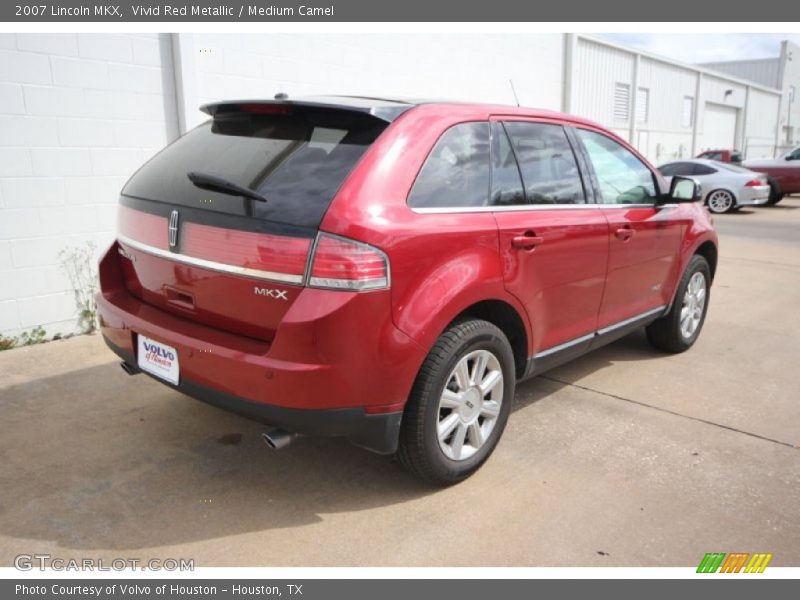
{"type": "Point", "coordinates": [625, 457]}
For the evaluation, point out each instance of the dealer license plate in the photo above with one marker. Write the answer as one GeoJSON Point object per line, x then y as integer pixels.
{"type": "Point", "coordinates": [158, 359]}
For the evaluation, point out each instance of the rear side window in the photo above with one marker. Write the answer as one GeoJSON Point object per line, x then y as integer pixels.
{"type": "Point", "coordinates": [549, 169]}
{"type": "Point", "coordinates": [670, 169]}
{"type": "Point", "coordinates": [456, 173]}
{"type": "Point", "coordinates": [622, 177]}
{"type": "Point", "coordinates": [677, 168]}
{"type": "Point", "coordinates": [703, 170]}
{"type": "Point", "coordinates": [297, 158]}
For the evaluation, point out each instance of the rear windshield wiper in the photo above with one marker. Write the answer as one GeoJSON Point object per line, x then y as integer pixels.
{"type": "Point", "coordinates": [218, 184]}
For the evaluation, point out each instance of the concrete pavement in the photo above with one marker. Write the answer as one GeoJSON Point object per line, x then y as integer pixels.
{"type": "Point", "coordinates": [625, 457]}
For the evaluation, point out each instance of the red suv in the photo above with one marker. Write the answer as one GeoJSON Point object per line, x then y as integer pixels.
{"type": "Point", "coordinates": [387, 271]}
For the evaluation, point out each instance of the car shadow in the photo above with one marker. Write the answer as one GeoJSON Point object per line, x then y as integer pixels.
{"type": "Point", "coordinates": [96, 460]}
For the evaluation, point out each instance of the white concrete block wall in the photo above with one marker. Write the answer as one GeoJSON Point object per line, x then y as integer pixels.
{"type": "Point", "coordinates": [474, 67]}
{"type": "Point", "coordinates": [78, 114]}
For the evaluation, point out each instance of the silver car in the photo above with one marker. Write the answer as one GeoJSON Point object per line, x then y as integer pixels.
{"type": "Point", "coordinates": [725, 187]}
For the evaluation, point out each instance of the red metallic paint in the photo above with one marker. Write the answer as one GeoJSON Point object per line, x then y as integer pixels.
{"type": "Point", "coordinates": [333, 349]}
{"type": "Point", "coordinates": [330, 349]}
{"type": "Point", "coordinates": [643, 253]}
{"type": "Point", "coordinates": [560, 280]}
{"type": "Point", "coordinates": [786, 175]}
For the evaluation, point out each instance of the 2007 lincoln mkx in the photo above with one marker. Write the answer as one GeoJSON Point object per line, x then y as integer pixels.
{"type": "Point", "coordinates": [386, 271]}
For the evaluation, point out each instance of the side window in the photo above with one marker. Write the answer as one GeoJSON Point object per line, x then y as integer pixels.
{"type": "Point", "coordinates": [714, 156]}
{"type": "Point", "coordinates": [549, 171]}
{"type": "Point", "coordinates": [669, 169]}
{"type": "Point", "coordinates": [506, 180]}
{"type": "Point", "coordinates": [702, 170]}
{"type": "Point", "coordinates": [677, 168]}
{"type": "Point", "coordinates": [456, 173]}
{"type": "Point", "coordinates": [794, 155]}
{"type": "Point", "coordinates": [623, 178]}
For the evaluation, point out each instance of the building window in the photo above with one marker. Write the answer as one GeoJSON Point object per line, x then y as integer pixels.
{"type": "Point", "coordinates": [642, 105]}
{"type": "Point", "coordinates": [687, 118]}
{"type": "Point", "coordinates": [622, 101]}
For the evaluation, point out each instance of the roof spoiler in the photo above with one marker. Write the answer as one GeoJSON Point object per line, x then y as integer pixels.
{"type": "Point", "coordinates": [385, 110]}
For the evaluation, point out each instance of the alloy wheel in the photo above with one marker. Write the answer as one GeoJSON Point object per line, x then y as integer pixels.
{"type": "Point", "coordinates": [720, 201]}
{"type": "Point", "coordinates": [694, 302]}
{"type": "Point", "coordinates": [470, 404]}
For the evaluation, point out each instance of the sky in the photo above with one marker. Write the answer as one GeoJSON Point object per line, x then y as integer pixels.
{"type": "Point", "coordinates": [711, 47]}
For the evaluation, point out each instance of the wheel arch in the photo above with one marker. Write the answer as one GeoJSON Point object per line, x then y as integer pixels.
{"type": "Point", "coordinates": [505, 317]}
{"type": "Point", "coordinates": [708, 250]}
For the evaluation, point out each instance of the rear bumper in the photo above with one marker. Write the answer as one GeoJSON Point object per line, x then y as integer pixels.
{"type": "Point", "coordinates": [336, 366]}
{"type": "Point", "coordinates": [376, 432]}
{"type": "Point", "coordinates": [753, 196]}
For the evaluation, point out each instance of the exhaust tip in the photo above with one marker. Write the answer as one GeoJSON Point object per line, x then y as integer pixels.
{"type": "Point", "coordinates": [276, 438]}
{"type": "Point", "coordinates": [128, 368]}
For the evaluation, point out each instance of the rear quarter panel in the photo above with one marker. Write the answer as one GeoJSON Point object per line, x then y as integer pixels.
{"type": "Point", "coordinates": [440, 263]}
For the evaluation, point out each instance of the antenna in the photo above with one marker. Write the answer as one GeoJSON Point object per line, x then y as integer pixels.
{"type": "Point", "coordinates": [513, 91]}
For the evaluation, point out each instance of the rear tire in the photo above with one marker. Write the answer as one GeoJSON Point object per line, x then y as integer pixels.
{"type": "Point", "coordinates": [775, 194]}
{"type": "Point", "coordinates": [459, 404]}
{"type": "Point", "coordinates": [679, 329]}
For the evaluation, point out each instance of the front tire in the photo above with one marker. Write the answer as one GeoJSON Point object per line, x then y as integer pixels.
{"type": "Point", "coordinates": [721, 201]}
{"type": "Point", "coordinates": [678, 330]}
{"type": "Point", "coordinates": [459, 404]}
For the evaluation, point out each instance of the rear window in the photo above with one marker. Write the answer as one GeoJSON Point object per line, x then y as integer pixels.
{"type": "Point", "coordinates": [297, 160]}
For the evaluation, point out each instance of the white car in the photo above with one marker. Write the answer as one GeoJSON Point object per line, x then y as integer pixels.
{"type": "Point", "coordinates": [725, 187]}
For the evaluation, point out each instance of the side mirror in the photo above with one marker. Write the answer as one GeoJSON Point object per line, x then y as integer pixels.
{"type": "Point", "coordinates": [683, 189]}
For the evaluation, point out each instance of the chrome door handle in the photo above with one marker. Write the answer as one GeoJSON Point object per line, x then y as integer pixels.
{"type": "Point", "coordinates": [529, 241]}
{"type": "Point", "coordinates": [624, 233]}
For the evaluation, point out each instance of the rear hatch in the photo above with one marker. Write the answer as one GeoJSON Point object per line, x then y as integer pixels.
{"type": "Point", "coordinates": [208, 248]}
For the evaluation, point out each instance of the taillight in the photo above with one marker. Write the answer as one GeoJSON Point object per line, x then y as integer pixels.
{"type": "Point", "coordinates": [755, 183]}
{"type": "Point", "coordinates": [343, 264]}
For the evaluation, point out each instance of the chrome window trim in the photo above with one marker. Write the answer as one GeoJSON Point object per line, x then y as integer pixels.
{"type": "Point", "coordinates": [599, 332]}
{"type": "Point", "coordinates": [522, 208]}
{"type": "Point", "coordinates": [212, 265]}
